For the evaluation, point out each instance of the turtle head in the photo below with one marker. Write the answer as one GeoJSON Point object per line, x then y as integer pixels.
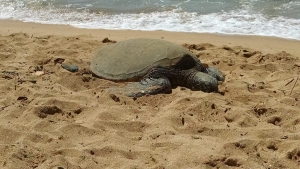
{"type": "Point", "coordinates": [204, 82]}
{"type": "Point", "coordinates": [216, 73]}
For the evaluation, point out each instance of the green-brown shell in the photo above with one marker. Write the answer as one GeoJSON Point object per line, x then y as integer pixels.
{"type": "Point", "coordinates": [133, 58]}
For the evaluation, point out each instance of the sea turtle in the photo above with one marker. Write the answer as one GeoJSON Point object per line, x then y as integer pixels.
{"type": "Point", "coordinates": [157, 64]}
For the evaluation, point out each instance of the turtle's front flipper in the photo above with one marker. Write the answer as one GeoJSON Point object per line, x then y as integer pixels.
{"type": "Point", "coordinates": [148, 86]}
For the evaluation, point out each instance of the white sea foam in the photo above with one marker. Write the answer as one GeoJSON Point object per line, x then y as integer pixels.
{"type": "Point", "coordinates": [233, 22]}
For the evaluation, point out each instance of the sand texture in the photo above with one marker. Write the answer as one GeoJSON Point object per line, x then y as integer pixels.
{"type": "Point", "coordinates": [53, 118]}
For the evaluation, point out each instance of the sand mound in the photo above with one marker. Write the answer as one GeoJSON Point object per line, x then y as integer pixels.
{"type": "Point", "coordinates": [52, 118]}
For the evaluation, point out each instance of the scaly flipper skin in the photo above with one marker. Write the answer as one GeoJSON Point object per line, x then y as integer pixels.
{"type": "Point", "coordinates": [71, 68]}
{"type": "Point", "coordinates": [159, 80]}
{"type": "Point", "coordinates": [149, 86]}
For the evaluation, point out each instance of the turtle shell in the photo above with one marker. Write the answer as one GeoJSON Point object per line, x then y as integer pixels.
{"type": "Point", "coordinates": [131, 59]}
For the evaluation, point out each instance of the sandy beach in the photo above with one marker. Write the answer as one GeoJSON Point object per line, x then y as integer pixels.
{"type": "Point", "coordinates": [52, 118]}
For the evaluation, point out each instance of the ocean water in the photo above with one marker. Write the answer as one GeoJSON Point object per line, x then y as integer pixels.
{"type": "Point", "coordinates": [279, 18]}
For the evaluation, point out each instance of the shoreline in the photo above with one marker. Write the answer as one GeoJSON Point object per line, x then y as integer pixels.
{"type": "Point", "coordinates": [262, 43]}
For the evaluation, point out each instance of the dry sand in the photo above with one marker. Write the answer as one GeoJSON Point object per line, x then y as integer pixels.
{"type": "Point", "coordinates": [52, 118]}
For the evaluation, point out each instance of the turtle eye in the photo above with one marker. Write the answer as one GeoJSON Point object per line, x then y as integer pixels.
{"type": "Point", "coordinates": [197, 86]}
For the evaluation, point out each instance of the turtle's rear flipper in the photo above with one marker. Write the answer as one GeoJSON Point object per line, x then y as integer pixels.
{"type": "Point", "coordinates": [148, 86]}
